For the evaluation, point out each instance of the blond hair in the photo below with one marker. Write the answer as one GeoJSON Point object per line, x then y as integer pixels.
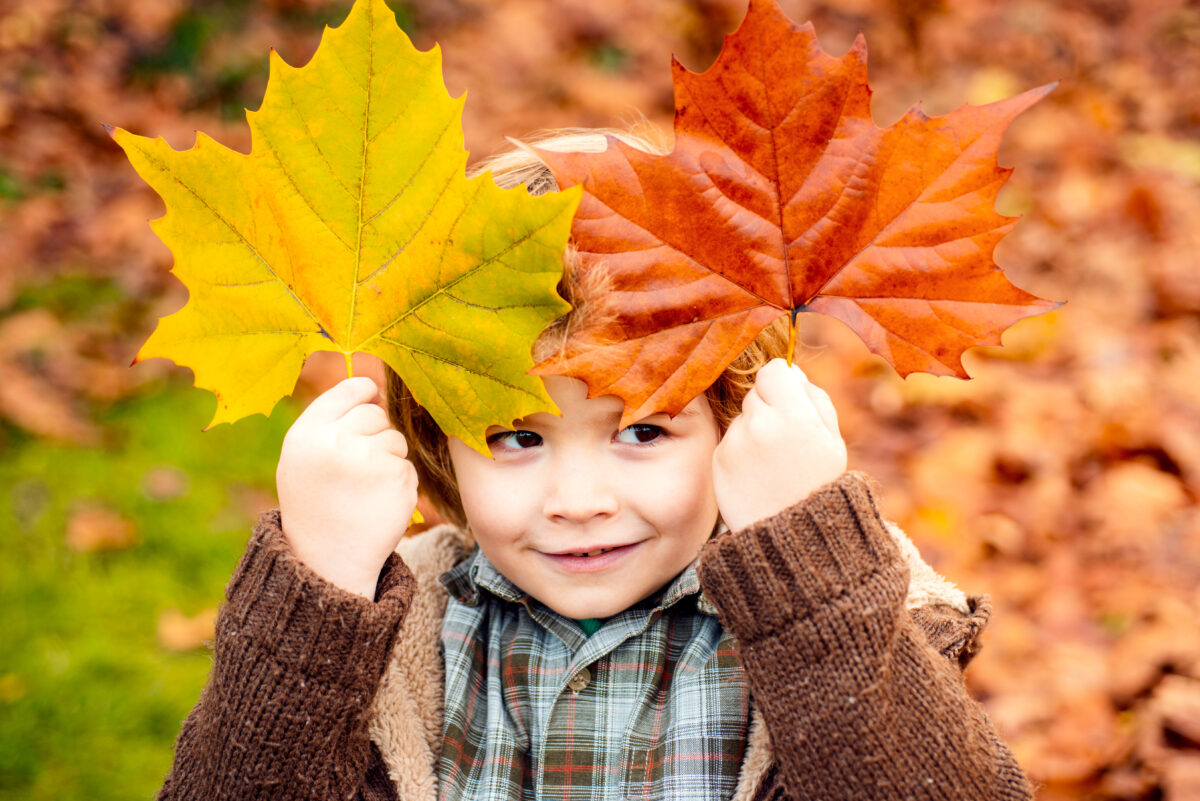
{"type": "Point", "coordinates": [427, 444]}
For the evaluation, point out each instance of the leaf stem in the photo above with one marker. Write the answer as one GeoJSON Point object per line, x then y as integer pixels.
{"type": "Point", "coordinates": [349, 365]}
{"type": "Point", "coordinates": [791, 348]}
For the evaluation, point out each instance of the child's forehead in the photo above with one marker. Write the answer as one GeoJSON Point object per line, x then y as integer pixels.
{"type": "Point", "coordinates": [576, 408]}
{"type": "Point", "coordinates": [570, 395]}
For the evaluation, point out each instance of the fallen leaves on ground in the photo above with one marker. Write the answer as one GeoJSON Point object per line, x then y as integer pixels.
{"type": "Point", "coordinates": [95, 528]}
{"type": "Point", "coordinates": [179, 632]}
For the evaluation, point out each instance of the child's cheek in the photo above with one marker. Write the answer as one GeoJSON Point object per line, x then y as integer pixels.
{"type": "Point", "coordinates": [496, 501]}
{"type": "Point", "coordinates": [679, 499]}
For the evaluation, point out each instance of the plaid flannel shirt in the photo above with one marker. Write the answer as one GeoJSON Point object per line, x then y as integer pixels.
{"type": "Point", "coordinates": [654, 705]}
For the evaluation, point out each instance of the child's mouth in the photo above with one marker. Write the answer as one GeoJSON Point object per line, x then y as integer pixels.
{"type": "Point", "coordinates": [586, 561]}
{"type": "Point", "coordinates": [590, 553]}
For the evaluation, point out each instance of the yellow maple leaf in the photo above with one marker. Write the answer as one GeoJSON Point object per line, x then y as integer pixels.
{"type": "Point", "coordinates": [351, 227]}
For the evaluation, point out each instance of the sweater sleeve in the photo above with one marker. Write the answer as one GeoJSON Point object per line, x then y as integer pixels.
{"type": "Point", "coordinates": [858, 701]}
{"type": "Point", "coordinates": [296, 666]}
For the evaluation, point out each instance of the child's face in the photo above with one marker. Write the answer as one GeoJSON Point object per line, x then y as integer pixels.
{"type": "Point", "coordinates": [562, 486]}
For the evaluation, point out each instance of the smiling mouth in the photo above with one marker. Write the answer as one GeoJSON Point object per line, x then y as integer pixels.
{"type": "Point", "coordinates": [596, 552]}
{"type": "Point", "coordinates": [593, 560]}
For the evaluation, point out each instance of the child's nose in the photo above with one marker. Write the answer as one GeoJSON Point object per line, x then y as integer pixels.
{"type": "Point", "coordinates": [580, 491]}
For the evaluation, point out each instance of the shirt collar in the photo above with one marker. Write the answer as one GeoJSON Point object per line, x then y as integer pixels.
{"type": "Point", "coordinates": [468, 577]}
{"type": "Point", "coordinates": [476, 572]}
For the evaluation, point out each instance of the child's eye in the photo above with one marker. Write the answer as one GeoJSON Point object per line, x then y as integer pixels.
{"type": "Point", "coordinates": [639, 434]}
{"type": "Point", "coordinates": [514, 440]}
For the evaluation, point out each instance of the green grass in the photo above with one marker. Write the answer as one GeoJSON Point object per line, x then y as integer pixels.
{"type": "Point", "coordinates": [90, 703]}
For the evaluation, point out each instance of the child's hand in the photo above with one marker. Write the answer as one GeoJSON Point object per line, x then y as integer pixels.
{"type": "Point", "coordinates": [784, 445]}
{"type": "Point", "coordinates": [346, 490]}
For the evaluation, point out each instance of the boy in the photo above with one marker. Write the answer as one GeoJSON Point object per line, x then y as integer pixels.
{"type": "Point", "coordinates": [583, 650]}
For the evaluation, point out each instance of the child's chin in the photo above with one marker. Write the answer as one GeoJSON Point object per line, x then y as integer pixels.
{"type": "Point", "coordinates": [586, 611]}
{"type": "Point", "coordinates": [599, 604]}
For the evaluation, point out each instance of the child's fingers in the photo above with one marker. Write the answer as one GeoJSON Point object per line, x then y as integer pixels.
{"type": "Point", "coordinates": [780, 385]}
{"type": "Point", "coordinates": [788, 388]}
{"type": "Point", "coordinates": [752, 403]}
{"type": "Point", "coordinates": [364, 419]}
{"type": "Point", "coordinates": [824, 405]}
{"type": "Point", "coordinates": [393, 442]}
{"type": "Point", "coordinates": [341, 398]}
{"type": "Point", "coordinates": [768, 389]}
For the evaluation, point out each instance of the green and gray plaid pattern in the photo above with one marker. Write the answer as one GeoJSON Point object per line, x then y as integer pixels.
{"type": "Point", "coordinates": [654, 705]}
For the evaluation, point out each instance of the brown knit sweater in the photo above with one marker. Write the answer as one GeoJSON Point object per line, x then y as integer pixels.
{"type": "Point", "coordinates": [862, 700]}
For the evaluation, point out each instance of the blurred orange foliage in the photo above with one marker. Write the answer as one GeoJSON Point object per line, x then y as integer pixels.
{"type": "Point", "coordinates": [1063, 480]}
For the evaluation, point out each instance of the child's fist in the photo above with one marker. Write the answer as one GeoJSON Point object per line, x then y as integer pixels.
{"type": "Point", "coordinates": [346, 490]}
{"type": "Point", "coordinates": [783, 445]}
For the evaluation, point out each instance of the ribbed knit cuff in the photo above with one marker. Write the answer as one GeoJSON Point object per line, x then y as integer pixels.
{"type": "Point", "coordinates": [278, 608]}
{"type": "Point", "coordinates": [952, 634]}
{"type": "Point", "coordinates": [786, 567]}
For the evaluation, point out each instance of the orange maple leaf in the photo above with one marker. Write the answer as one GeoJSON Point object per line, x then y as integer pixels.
{"type": "Point", "coordinates": [781, 195]}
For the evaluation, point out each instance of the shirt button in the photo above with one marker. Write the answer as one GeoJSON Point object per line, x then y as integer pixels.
{"type": "Point", "coordinates": [580, 680]}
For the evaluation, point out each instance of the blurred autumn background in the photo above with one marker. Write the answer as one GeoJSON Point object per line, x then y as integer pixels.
{"type": "Point", "coordinates": [1063, 480]}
